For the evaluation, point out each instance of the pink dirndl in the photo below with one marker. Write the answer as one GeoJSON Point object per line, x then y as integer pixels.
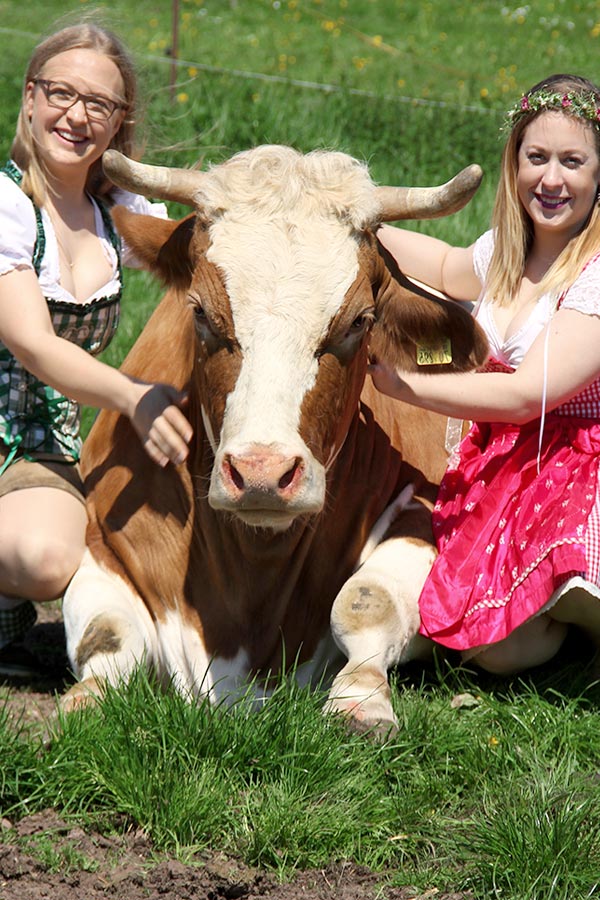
{"type": "Point", "coordinates": [509, 534]}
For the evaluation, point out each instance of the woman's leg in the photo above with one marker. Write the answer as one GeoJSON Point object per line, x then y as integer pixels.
{"type": "Point", "coordinates": [532, 644]}
{"type": "Point", "coordinates": [42, 539]}
{"type": "Point", "coordinates": [580, 608]}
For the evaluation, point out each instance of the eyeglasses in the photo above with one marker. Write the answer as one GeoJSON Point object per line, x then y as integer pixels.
{"type": "Point", "coordinates": [63, 96]}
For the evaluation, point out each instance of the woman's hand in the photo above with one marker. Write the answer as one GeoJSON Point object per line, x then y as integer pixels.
{"type": "Point", "coordinates": [162, 427]}
{"type": "Point", "coordinates": [154, 409]}
{"type": "Point", "coordinates": [386, 379]}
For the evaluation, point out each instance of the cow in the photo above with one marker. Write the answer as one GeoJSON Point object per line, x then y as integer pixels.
{"type": "Point", "coordinates": [297, 534]}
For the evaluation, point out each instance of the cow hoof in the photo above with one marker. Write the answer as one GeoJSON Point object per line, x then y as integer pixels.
{"type": "Point", "coordinates": [82, 695]}
{"type": "Point", "coordinates": [356, 721]}
{"type": "Point", "coordinates": [378, 730]}
{"type": "Point", "coordinates": [361, 694]}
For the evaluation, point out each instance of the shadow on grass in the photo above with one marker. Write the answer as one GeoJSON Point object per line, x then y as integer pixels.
{"type": "Point", "coordinates": [573, 673]}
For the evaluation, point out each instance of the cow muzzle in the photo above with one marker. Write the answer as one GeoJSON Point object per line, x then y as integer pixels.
{"type": "Point", "coordinates": [265, 486]}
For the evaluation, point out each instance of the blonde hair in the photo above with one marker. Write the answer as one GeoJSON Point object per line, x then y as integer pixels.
{"type": "Point", "coordinates": [83, 36]}
{"type": "Point", "coordinates": [513, 231]}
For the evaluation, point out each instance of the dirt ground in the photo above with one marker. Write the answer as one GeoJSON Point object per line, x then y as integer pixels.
{"type": "Point", "coordinates": [127, 868]}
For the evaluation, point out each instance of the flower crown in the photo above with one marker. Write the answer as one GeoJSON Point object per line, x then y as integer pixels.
{"type": "Point", "coordinates": [585, 106]}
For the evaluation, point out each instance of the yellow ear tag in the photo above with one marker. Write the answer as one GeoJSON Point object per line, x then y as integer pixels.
{"type": "Point", "coordinates": [434, 354]}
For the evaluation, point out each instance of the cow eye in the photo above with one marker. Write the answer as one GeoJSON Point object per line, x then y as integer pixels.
{"type": "Point", "coordinates": [358, 323]}
{"type": "Point", "coordinates": [208, 333]}
{"type": "Point", "coordinates": [201, 320]}
{"type": "Point", "coordinates": [361, 322]}
{"type": "Point", "coordinates": [344, 344]}
{"type": "Point", "coordinates": [202, 323]}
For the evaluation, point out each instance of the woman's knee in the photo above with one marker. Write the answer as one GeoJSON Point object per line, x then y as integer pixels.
{"type": "Point", "coordinates": [42, 538]}
{"type": "Point", "coordinates": [38, 566]}
{"type": "Point", "coordinates": [499, 659]}
{"type": "Point", "coordinates": [532, 644]}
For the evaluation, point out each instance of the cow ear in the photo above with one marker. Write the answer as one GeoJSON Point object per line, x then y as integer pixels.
{"type": "Point", "coordinates": [161, 245]}
{"type": "Point", "coordinates": [417, 331]}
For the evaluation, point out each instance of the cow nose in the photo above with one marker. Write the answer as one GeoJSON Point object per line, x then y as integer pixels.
{"type": "Point", "coordinates": [262, 472]}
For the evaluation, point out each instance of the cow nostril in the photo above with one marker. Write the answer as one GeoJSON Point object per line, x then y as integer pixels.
{"type": "Point", "coordinates": [287, 479]}
{"type": "Point", "coordinates": [261, 473]}
{"type": "Point", "coordinates": [236, 477]}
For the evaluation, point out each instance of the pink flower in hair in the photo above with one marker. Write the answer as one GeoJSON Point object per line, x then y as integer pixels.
{"type": "Point", "coordinates": [566, 101]}
{"type": "Point", "coordinates": [524, 102]}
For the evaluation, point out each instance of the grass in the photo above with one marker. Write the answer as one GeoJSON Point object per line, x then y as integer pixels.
{"type": "Point", "coordinates": [499, 798]}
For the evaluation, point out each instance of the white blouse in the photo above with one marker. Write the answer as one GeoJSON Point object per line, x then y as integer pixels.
{"type": "Point", "coordinates": [18, 236]}
{"type": "Point", "coordinates": [583, 296]}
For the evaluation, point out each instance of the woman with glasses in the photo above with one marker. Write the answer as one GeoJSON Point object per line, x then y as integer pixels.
{"type": "Point", "coordinates": [60, 289]}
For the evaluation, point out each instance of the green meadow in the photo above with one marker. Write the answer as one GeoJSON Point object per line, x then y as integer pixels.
{"type": "Point", "coordinates": [490, 787]}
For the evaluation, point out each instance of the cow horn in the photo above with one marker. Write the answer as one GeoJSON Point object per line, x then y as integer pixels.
{"type": "Point", "coordinates": [430, 202]}
{"type": "Point", "coordinates": [159, 182]}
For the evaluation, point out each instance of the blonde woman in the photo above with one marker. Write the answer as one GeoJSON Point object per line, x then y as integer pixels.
{"type": "Point", "coordinates": [518, 515]}
{"type": "Point", "coordinates": [60, 290]}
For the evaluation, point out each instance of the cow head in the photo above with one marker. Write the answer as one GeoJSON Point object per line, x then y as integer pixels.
{"type": "Point", "coordinates": [287, 284]}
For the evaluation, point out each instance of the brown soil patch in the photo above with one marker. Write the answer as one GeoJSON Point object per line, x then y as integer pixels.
{"type": "Point", "coordinates": [126, 867]}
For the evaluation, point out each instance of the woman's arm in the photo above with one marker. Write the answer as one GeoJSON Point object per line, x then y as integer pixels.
{"type": "Point", "coordinates": [434, 262]}
{"type": "Point", "coordinates": [26, 329]}
{"type": "Point", "coordinates": [573, 364]}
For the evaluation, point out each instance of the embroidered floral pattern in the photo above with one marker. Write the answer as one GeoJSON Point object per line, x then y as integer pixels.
{"type": "Point", "coordinates": [507, 539]}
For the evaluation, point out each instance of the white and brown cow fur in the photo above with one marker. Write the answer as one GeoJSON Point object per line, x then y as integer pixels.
{"type": "Point", "coordinates": [303, 511]}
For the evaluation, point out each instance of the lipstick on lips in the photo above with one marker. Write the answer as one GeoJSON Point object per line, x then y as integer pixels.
{"type": "Point", "coordinates": [548, 202]}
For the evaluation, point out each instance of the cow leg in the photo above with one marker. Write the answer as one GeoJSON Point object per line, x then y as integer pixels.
{"type": "Point", "coordinates": [109, 631]}
{"type": "Point", "coordinates": [375, 622]}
